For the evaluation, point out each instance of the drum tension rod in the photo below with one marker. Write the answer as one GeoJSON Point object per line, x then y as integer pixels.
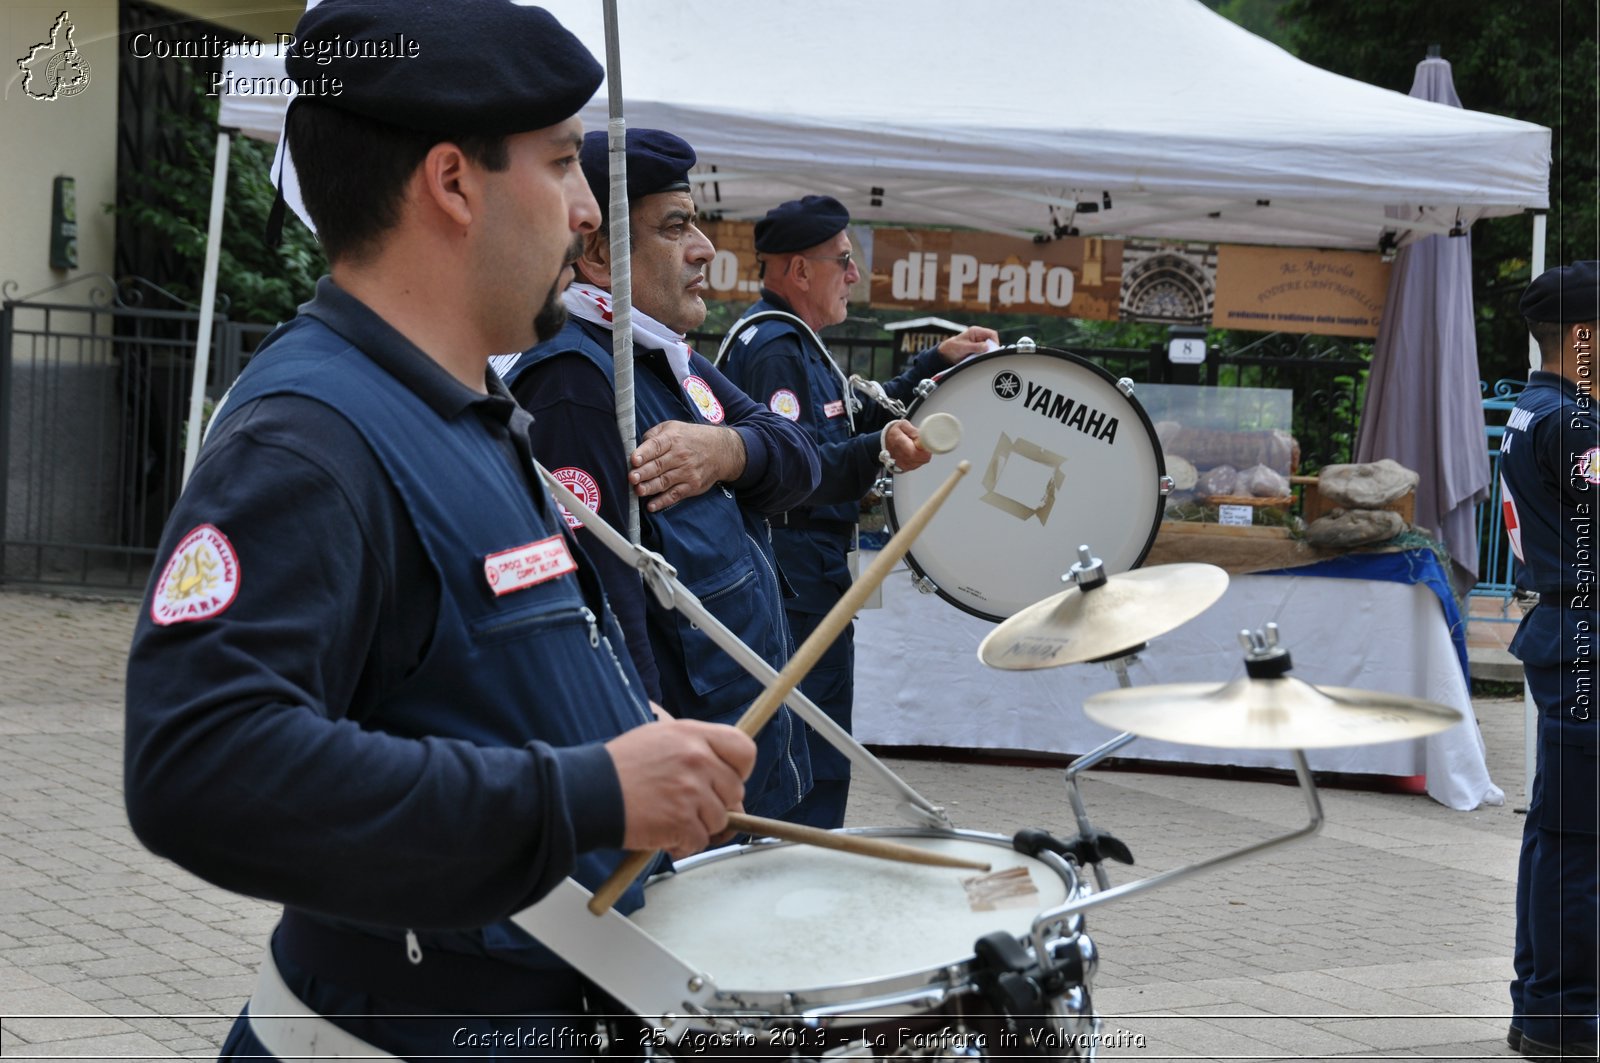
{"type": "Point", "coordinates": [1015, 981]}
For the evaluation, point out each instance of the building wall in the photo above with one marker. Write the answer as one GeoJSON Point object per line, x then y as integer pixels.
{"type": "Point", "coordinates": [40, 139]}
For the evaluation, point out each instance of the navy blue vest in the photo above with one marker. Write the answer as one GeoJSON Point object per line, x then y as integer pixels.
{"type": "Point", "coordinates": [723, 554]}
{"type": "Point", "coordinates": [535, 664]}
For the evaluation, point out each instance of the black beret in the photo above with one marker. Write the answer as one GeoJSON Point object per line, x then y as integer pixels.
{"type": "Point", "coordinates": [457, 67]}
{"type": "Point", "coordinates": [657, 162]}
{"type": "Point", "coordinates": [1564, 295]}
{"type": "Point", "coordinates": [800, 223]}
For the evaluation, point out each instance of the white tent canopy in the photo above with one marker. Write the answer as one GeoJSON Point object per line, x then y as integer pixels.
{"type": "Point", "coordinates": [1004, 115]}
{"type": "Point", "coordinates": [987, 115]}
{"type": "Point", "coordinates": [1197, 128]}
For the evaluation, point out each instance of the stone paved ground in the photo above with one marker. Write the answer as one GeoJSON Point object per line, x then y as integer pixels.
{"type": "Point", "coordinates": [1385, 936]}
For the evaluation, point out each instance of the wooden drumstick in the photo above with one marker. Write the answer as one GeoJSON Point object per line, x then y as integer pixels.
{"type": "Point", "coordinates": [861, 845]}
{"type": "Point", "coordinates": [939, 433]}
{"type": "Point", "coordinates": [805, 658]}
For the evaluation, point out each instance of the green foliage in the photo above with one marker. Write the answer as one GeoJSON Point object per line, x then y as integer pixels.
{"type": "Point", "coordinates": [1533, 61]}
{"type": "Point", "coordinates": [262, 285]}
{"type": "Point", "coordinates": [1264, 18]}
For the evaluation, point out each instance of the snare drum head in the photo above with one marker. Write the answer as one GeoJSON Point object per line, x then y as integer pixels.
{"type": "Point", "coordinates": [786, 918]}
{"type": "Point", "coordinates": [1060, 457]}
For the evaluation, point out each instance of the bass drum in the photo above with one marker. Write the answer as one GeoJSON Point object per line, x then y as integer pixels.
{"type": "Point", "coordinates": [1061, 455]}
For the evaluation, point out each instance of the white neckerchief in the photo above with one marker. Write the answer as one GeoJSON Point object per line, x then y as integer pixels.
{"type": "Point", "coordinates": [588, 303]}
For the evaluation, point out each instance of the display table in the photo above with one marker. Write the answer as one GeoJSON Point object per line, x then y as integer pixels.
{"type": "Point", "coordinates": [919, 681]}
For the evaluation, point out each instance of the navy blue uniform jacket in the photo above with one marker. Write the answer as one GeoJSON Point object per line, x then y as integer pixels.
{"type": "Point", "coordinates": [1550, 467]}
{"type": "Point", "coordinates": [366, 685]}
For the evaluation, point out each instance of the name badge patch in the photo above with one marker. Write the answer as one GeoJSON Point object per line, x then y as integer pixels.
{"type": "Point", "coordinates": [704, 398]}
{"type": "Point", "coordinates": [522, 567]}
{"type": "Point", "coordinates": [201, 578]}
{"type": "Point", "coordinates": [834, 409]}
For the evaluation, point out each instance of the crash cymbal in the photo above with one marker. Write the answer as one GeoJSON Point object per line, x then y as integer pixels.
{"type": "Point", "coordinates": [1280, 713]}
{"type": "Point", "coordinates": [1082, 624]}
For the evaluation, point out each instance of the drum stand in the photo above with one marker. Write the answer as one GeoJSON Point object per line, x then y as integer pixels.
{"type": "Point", "coordinates": [661, 580]}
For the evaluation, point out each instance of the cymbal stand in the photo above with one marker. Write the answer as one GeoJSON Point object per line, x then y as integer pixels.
{"type": "Point", "coordinates": [1086, 832]}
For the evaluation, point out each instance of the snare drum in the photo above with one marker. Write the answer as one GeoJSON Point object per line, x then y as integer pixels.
{"type": "Point", "coordinates": [1061, 455]}
{"type": "Point", "coordinates": [814, 951]}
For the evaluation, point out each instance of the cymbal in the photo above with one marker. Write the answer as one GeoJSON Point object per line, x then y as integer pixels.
{"type": "Point", "coordinates": [1083, 625]}
{"type": "Point", "coordinates": [1280, 713]}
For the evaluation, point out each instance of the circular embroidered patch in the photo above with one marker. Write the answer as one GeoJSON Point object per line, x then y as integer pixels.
{"type": "Point", "coordinates": [584, 486]}
{"type": "Point", "coordinates": [785, 403]}
{"type": "Point", "coordinates": [200, 580]}
{"type": "Point", "coordinates": [704, 398]}
{"type": "Point", "coordinates": [1589, 465]}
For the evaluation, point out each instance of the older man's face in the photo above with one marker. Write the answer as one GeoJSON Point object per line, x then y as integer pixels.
{"type": "Point", "coordinates": [831, 278]}
{"type": "Point", "coordinates": [669, 260]}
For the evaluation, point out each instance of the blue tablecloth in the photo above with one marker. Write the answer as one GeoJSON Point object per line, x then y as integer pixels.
{"type": "Point", "coordinates": [1406, 566]}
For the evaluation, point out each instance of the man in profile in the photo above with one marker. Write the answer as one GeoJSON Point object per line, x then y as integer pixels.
{"type": "Point", "coordinates": [774, 353]}
{"type": "Point", "coordinates": [711, 465]}
{"type": "Point", "coordinates": [374, 680]}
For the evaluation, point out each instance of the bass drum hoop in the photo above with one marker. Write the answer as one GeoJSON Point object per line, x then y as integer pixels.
{"type": "Point", "coordinates": [779, 1005]}
{"type": "Point", "coordinates": [892, 516]}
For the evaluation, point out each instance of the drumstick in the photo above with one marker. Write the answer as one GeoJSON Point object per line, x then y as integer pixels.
{"type": "Point", "coordinates": [847, 843]}
{"type": "Point", "coordinates": [805, 658]}
{"type": "Point", "coordinates": [939, 433]}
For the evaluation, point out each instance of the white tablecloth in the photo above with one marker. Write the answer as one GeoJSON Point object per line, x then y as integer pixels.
{"type": "Point", "coordinates": [919, 682]}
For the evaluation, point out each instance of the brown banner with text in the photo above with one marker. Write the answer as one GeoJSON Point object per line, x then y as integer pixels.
{"type": "Point", "coordinates": [1285, 289]}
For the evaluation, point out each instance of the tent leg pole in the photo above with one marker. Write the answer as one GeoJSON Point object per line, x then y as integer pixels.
{"type": "Point", "coordinates": [1540, 220]}
{"type": "Point", "coordinates": [208, 301]}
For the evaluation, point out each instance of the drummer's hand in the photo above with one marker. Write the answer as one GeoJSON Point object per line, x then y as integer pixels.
{"type": "Point", "coordinates": [679, 779]}
{"type": "Point", "coordinates": [975, 340]}
{"type": "Point", "coordinates": [900, 440]}
{"type": "Point", "coordinates": [678, 460]}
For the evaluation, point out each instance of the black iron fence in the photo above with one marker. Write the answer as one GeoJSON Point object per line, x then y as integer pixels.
{"type": "Point", "coordinates": [94, 401]}
{"type": "Point", "coordinates": [94, 405]}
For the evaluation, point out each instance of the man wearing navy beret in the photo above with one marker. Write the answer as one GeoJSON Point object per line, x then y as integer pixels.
{"type": "Point", "coordinates": [709, 467]}
{"type": "Point", "coordinates": [775, 354]}
{"type": "Point", "coordinates": [375, 679]}
{"type": "Point", "coordinates": [1550, 468]}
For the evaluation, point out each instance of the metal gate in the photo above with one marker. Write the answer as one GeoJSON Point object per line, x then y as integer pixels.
{"type": "Point", "coordinates": [93, 401]}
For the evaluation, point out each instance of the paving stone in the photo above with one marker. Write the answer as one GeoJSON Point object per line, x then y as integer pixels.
{"type": "Point", "coordinates": [1386, 934]}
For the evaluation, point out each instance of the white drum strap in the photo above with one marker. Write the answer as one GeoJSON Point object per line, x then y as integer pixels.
{"type": "Point", "coordinates": [293, 1032]}
{"type": "Point", "coordinates": [851, 403]}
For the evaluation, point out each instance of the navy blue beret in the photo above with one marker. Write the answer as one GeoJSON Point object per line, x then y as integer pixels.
{"type": "Point", "coordinates": [461, 68]}
{"type": "Point", "coordinates": [1564, 295]}
{"type": "Point", "coordinates": [800, 223]}
{"type": "Point", "coordinates": [657, 162]}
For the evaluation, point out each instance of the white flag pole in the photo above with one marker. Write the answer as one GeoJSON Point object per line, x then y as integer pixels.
{"type": "Point", "coordinates": [621, 263]}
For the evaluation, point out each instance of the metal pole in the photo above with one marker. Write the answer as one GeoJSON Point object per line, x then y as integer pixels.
{"type": "Point", "coordinates": [208, 301]}
{"type": "Point", "coordinates": [621, 259]}
{"type": "Point", "coordinates": [1530, 718]}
